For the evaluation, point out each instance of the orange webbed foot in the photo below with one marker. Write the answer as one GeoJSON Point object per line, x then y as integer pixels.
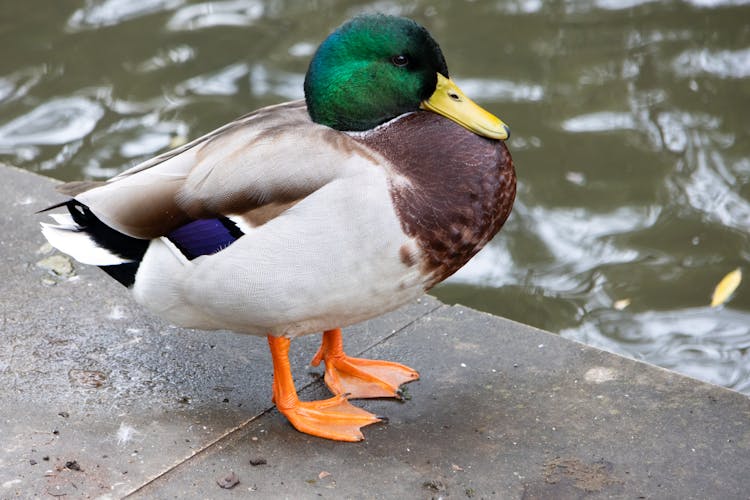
{"type": "Point", "coordinates": [357, 377]}
{"type": "Point", "coordinates": [333, 418]}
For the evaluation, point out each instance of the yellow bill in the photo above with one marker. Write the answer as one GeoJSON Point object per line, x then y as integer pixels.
{"type": "Point", "coordinates": [449, 101]}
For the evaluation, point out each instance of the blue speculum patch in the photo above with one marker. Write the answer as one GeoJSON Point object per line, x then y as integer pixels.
{"type": "Point", "coordinates": [204, 236]}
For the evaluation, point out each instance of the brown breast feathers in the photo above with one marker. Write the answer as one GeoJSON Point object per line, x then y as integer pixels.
{"type": "Point", "coordinates": [460, 191]}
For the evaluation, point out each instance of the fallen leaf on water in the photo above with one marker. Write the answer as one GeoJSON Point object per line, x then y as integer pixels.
{"type": "Point", "coordinates": [726, 287]}
{"type": "Point", "coordinates": [621, 304]}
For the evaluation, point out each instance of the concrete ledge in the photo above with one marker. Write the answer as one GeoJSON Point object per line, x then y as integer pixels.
{"type": "Point", "coordinates": [100, 399]}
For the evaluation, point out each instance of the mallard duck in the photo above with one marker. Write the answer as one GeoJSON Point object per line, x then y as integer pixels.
{"type": "Point", "coordinates": [310, 215]}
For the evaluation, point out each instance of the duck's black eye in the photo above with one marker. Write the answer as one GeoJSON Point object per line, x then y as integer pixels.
{"type": "Point", "coordinates": [400, 60]}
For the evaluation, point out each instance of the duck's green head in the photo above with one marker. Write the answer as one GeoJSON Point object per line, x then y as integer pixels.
{"type": "Point", "coordinates": [377, 67]}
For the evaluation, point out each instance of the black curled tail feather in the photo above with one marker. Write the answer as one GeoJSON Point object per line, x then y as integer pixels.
{"type": "Point", "coordinates": [116, 242]}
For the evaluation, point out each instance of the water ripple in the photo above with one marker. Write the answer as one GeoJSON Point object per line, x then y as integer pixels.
{"type": "Point", "coordinates": [18, 84]}
{"type": "Point", "coordinates": [265, 82]}
{"type": "Point", "coordinates": [209, 14]}
{"type": "Point", "coordinates": [490, 267]}
{"type": "Point", "coordinates": [601, 121]}
{"type": "Point", "coordinates": [487, 89]}
{"type": "Point", "coordinates": [56, 121]}
{"type": "Point", "coordinates": [222, 82]}
{"type": "Point", "coordinates": [133, 138]}
{"type": "Point", "coordinates": [98, 14]}
{"type": "Point", "coordinates": [705, 343]}
{"type": "Point", "coordinates": [577, 240]}
{"type": "Point", "coordinates": [721, 63]}
{"type": "Point", "coordinates": [173, 56]}
{"type": "Point", "coordinates": [718, 3]}
{"type": "Point", "coordinates": [520, 6]}
{"type": "Point", "coordinates": [712, 189]}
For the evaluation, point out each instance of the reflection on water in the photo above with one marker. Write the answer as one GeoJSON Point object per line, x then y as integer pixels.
{"type": "Point", "coordinates": [205, 15]}
{"type": "Point", "coordinates": [629, 132]}
{"type": "Point", "coordinates": [722, 63]}
{"type": "Point", "coordinates": [704, 343]}
{"type": "Point", "coordinates": [100, 14]}
{"type": "Point", "coordinates": [57, 121]}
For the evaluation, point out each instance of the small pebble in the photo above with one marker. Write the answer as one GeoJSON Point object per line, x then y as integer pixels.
{"type": "Point", "coordinates": [73, 465]}
{"type": "Point", "coordinates": [229, 481]}
{"type": "Point", "coordinates": [435, 485]}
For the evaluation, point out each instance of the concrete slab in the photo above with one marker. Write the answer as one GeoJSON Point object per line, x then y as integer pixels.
{"type": "Point", "coordinates": [91, 382]}
{"type": "Point", "coordinates": [501, 411]}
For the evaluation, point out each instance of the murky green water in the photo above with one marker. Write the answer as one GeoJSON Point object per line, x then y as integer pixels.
{"type": "Point", "coordinates": [630, 134]}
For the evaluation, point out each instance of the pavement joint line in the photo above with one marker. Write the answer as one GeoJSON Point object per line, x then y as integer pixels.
{"type": "Point", "coordinates": [201, 451]}
{"type": "Point", "coordinates": [239, 427]}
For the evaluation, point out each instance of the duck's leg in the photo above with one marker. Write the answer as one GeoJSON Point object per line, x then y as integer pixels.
{"type": "Point", "coordinates": [360, 378]}
{"type": "Point", "coordinates": [333, 418]}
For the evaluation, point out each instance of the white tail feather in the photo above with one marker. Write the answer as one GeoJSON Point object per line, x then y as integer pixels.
{"type": "Point", "coordinates": [65, 220]}
{"type": "Point", "coordinates": [68, 238]}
